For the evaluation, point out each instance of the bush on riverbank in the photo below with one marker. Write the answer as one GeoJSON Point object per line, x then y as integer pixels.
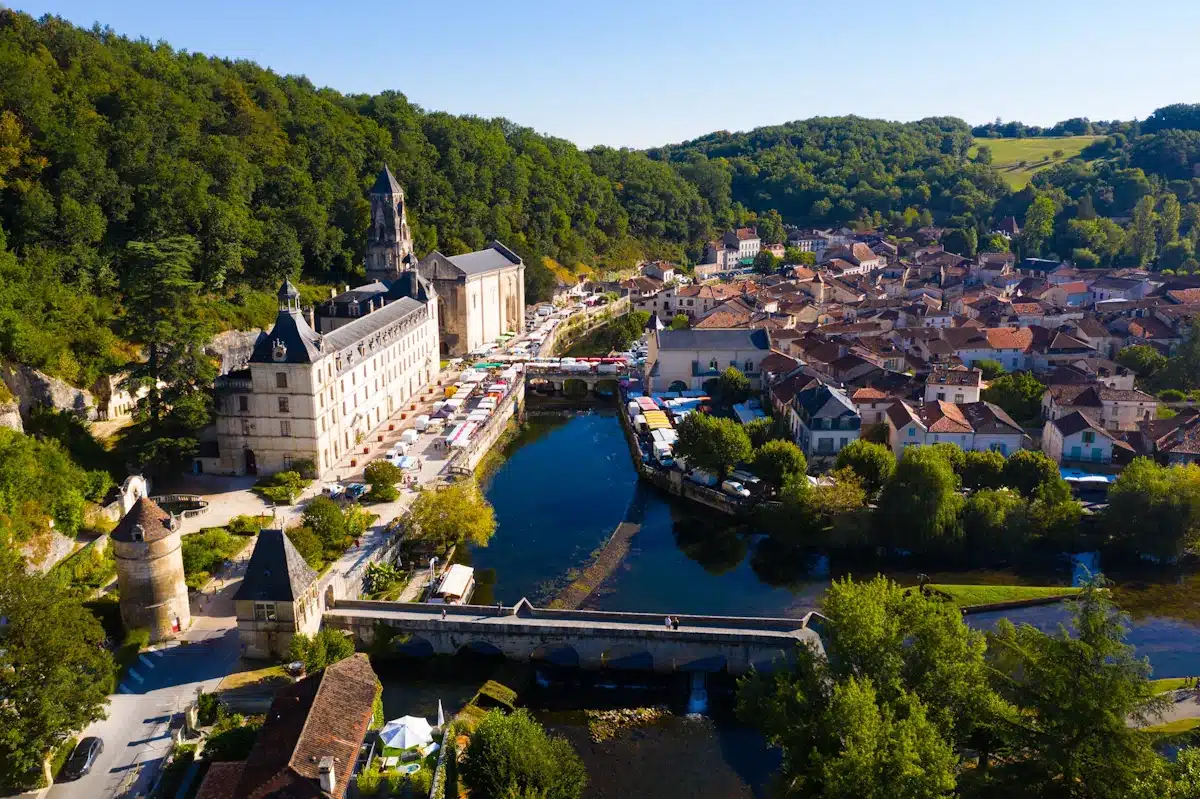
{"type": "Point", "coordinates": [512, 753]}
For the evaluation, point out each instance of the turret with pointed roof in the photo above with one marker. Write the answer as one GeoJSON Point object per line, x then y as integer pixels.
{"type": "Point", "coordinates": [389, 240]}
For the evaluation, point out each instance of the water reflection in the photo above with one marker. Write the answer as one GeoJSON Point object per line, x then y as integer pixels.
{"type": "Point", "coordinates": [718, 547]}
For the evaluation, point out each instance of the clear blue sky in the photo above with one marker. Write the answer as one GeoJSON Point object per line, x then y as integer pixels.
{"type": "Point", "coordinates": [657, 71]}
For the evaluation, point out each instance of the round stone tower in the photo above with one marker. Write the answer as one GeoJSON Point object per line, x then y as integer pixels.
{"type": "Point", "coordinates": [148, 548]}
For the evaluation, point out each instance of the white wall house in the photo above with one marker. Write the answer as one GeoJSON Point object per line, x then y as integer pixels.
{"type": "Point", "coordinates": [823, 420]}
{"type": "Point", "coordinates": [688, 358]}
{"type": "Point", "coordinates": [957, 384]}
{"type": "Point", "coordinates": [976, 426]}
{"type": "Point", "coordinates": [1077, 437]}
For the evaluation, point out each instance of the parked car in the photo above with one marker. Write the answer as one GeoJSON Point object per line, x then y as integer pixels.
{"type": "Point", "coordinates": [735, 489]}
{"type": "Point", "coordinates": [82, 758]}
{"type": "Point", "coordinates": [355, 490]}
{"type": "Point", "coordinates": [334, 490]}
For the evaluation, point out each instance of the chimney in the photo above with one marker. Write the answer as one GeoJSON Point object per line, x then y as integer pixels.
{"type": "Point", "coordinates": [325, 774]}
{"type": "Point", "coordinates": [312, 318]}
{"type": "Point", "coordinates": [332, 292]}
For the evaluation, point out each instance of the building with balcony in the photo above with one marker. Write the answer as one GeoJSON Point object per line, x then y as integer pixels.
{"type": "Point", "coordinates": [682, 360]}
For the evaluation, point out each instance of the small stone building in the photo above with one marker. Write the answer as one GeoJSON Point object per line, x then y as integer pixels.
{"type": "Point", "coordinates": [149, 554]}
{"type": "Point", "coordinates": [277, 599]}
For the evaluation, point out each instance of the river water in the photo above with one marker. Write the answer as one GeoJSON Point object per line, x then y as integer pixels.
{"type": "Point", "coordinates": [566, 482]}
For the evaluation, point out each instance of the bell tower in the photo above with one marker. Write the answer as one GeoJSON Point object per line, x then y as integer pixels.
{"type": "Point", "coordinates": [389, 240]}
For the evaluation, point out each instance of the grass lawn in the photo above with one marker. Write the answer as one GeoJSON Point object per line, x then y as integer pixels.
{"type": "Point", "coordinates": [1167, 684]}
{"type": "Point", "coordinates": [1037, 153]}
{"type": "Point", "coordinates": [967, 595]}
{"type": "Point", "coordinates": [269, 675]}
{"type": "Point", "coordinates": [1180, 725]}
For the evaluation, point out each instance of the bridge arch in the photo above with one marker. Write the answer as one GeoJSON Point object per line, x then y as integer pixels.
{"type": "Point", "coordinates": [477, 646]}
{"type": "Point", "coordinates": [575, 388]}
{"type": "Point", "coordinates": [633, 657]}
{"type": "Point", "coordinates": [412, 646]}
{"type": "Point", "coordinates": [606, 387]}
{"type": "Point", "coordinates": [677, 386]}
{"type": "Point", "coordinates": [556, 655]}
{"type": "Point", "coordinates": [542, 385]}
{"type": "Point", "coordinates": [710, 664]}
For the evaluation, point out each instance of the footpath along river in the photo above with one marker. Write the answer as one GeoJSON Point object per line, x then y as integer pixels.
{"type": "Point", "coordinates": [565, 483]}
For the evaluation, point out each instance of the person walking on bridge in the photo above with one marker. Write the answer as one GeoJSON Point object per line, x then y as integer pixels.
{"type": "Point", "coordinates": [667, 622]}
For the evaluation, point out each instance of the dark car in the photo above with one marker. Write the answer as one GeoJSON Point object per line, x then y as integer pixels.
{"type": "Point", "coordinates": [82, 759]}
{"type": "Point", "coordinates": [355, 490]}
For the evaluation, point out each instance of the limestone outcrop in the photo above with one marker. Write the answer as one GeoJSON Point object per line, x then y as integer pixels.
{"type": "Point", "coordinates": [31, 388]}
{"type": "Point", "coordinates": [233, 348]}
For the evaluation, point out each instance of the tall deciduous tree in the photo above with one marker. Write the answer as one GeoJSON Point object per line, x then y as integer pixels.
{"type": "Point", "coordinates": [1143, 231]}
{"type": "Point", "coordinates": [779, 461]}
{"type": "Point", "coordinates": [919, 505]}
{"type": "Point", "coordinates": [873, 463]}
{"type": "Point", "coordinates": [1156, 508]}
{"type": "Point", "coordinates": [511, 755]}
{"type": "Point", "coordinates": [1019, 394]}
{"type": "Point", "coordinates": [1039, 225]}
{"type": "Point", "coordinates": [734, 386]}
{"type": "Point", "coordinates": [54, 669]}
{"type": "Point", "coordinates": [454, 514]}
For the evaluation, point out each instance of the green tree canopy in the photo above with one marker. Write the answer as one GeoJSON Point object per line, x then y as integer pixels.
{"type": "Point", "coordinates": [1019, 394]}
{"type": "Point", "coordinates": [982, 469]}
{"type": "Point", "coordinates": [712, 443]}
{"type": "Point", "coordinates": [453, 514]}
{"type": "Point", "coordinates": [1155, 509]}
{"type": "Point", "coordinates": [1142, 359]}
{"type": "Point", "coordinates": [734, 387]}
{"type": "Point", "coordinates": [873, 463]}
{"type": "Point", "coordinates": [779, 461]}
{"type": "Point", "coordinates": [919, 505]}
{"type": "Point", "coordinates": [511, 755]}
{"type": "Point", "coordinates": [1033, 473]}
{"type": "Point", "coordinates": [56, 671]}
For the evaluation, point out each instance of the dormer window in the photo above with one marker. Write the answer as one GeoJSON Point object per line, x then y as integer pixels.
{"type": "Point", "coordinates": [279, 351]}
{"type": "Point", "coordinates": [138, 533]}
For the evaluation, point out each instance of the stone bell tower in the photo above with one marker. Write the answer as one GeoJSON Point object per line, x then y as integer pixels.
{"type": "Point", "coordinates": [389, 240]}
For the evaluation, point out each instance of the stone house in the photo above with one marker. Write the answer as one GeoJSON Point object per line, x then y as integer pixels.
{"type": "Point", "coordinates": [1077, 437]}
{"type": "Point", "coordinates": [277, 598]}
{"type": "Point", "coordinates": [957, 384]}
{"type": "Point", "coordinates": [1110, 408]}
{"type": "Point", "coordinates": [975, 426]}
{"type": "Point", "coordinates": [688, 358]}
{"type": "Point", "coordinates": [823, 420]}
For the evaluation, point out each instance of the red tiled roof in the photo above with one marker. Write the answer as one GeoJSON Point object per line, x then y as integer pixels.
{"type": "Point", "coordinates": [1009, 338]}
{"type": "Point", "coordinates": [868, 395]}
{"type": "Point", "coordinates": [220, 780]}
{"type": "Point", "coordinates": [945, 417]}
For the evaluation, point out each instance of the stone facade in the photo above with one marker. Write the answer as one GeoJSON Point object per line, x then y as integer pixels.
{"type": "Point", "coordinates": [147, 545]}
{"type": "Point", "coordinates": [480, 295]}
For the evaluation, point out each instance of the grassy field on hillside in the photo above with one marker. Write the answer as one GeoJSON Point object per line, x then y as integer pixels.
{"type": "Point", "coordinates": [1007, 155]}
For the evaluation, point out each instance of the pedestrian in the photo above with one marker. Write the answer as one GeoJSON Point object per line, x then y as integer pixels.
{"type": "Point", "coordinates": [667, 622]}
{"type": "Point", "coordinates": [443, 614]}
{"type": "Point", "coordinates": [675, 623]}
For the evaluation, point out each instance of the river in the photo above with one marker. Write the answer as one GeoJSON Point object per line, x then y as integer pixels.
{"type": "Point", "coordinates": [565, 483]}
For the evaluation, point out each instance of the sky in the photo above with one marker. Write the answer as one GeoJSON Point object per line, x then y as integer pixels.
{"type": "Point", "coordinates": [640, 74]}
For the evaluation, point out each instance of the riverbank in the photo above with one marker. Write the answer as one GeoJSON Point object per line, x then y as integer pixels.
{"type": "Point", "coordinates": [983, 598]}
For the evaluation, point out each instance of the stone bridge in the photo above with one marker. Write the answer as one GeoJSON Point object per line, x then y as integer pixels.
{"type": "Point", "coordinates": [579, 384]}
{"type": "Point", "coordinates": [588, 639]}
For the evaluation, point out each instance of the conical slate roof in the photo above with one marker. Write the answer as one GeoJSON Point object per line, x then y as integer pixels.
{"type": "Point", "coordinates": [276, 572]}
{"type": "Point", "coordinates": [288, 291]}
{"type": "Point", "coordinates": [386, 182]}
{"type": "Point", "coordinates": [146, 521]}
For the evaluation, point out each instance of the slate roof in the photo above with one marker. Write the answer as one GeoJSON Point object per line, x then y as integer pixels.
{"type": "Point", "coordinates": [347, 335]}
{"type": "Point", "coordinates": [326, 714]}
{"type": "Point", "coordinates": [1078, 421]}
{"type": "Point", "coordinates": [302, 343]}
{"type": "Point", "coordinates": [386, 183]}
{"type": "Point", "coordinates": [276, 571]}
{"type": "Point", "coordinates": [713, 339]}
{"type": "Point", "coordinates": [155, 522]}
{"type": "Point", "coordinates": [823, 402]}
{"type": "Point", "coordinates": [955, 376]}
{"type": "Point", "coordinates": [986, 417]}
{"type": "Point", "coordinates": [496, 256]}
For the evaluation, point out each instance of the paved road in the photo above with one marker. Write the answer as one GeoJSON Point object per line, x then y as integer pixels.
{"type": "Point", "coordinates": [137, 734]}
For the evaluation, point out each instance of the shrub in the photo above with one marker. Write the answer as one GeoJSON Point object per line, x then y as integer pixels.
{"type": "Point", "coordinates": [245, 525]}
{"type": "Point", "coordinates": [232, 738]}
{"type": "Point", "coordinates": [59, 758]}
{"type": "Point", "coordinates": [382, 493]}
{"type": "Point", "coordinates": [316, 652]}
{"type": "Point", "coordinates": [208, 709]}
{"type": "Point", "coordinates": [1172, 395]}
{"type": "Point", "coordinates": [369, 781]}
{"type": "Point", "coordinates": [204, 552]}
{"type": "Point", "coordinates": [513, 753]}
{"type": "Point", "coordinates": [308, 545]}
{"type": "Point", "coordinates": [282, 488]}
{"type": "Point", "coordinates": [382, 473]}
{"type": "Point", "coordinates": [306, 468]}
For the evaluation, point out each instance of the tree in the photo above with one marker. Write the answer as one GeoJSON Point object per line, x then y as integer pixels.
{"type": "Point", "coordinates": [796, 256]}
{"type": "Point", "coordinates": [1039, 224]}
{"type": "Point", "coordinates": [897, 657]}
{"type": "Point", "coordinates": [327, 521]}
{"type": "Point", "coordinates": [770, 228]}
{"type": "Point", "coordinates": [453, 514]}
{"type": "Point", "coordinates": [982, 469]}
{"type": "Point", "coordinates": [734, 386]}
{"type": "Point", "coordinates": [1142, 359]}
{"type": "Point", "coordinates": [1169, 215]}
{"type": "Point", "coordinates": [382, 476]}
{"type": "Point", "coordinates": [873, 463]}
{"type": "Point", "coordinates": [1155, 509]}
{"type": "Point", "coordinates": [309, 546]}
{"type": "Point", "coordinates": [778, 462]}
{"type": "Point", "coordinates": [1033, 473]}
{"type": "Point", "coordinates": [56, 671]}
{"type": "Point", "coordinates": [325, 648]}
{"type": "Point", "coordinates": [962, 241]}
{"type": "Point", "coordinates": [1143, 231]}
{"type": "Point", "coordinates": [919, 505]}
{"type": "Point", "coordinates": [681, 321]}
{"type": "Point", "coordinates": [1075, 696]}
{"type": "Point", "coordinates": [511, 755]}
{"type": "Point", "coordinates": [163, 316]}
{"type": "Point", "coordinates": [1019, 394]}
{"type": "Point", "coordinates": [991, 368]}
{"type": "Point", "coordinates": [711, 443]}
{"type": "Point", "coordinates": [766, 263]}
{"type": "Point", "coordinates": [983, 155]}
{"type": "Point", "coordinates": [760, 430]}
{"type": "Point", "coordinates": [991, 521]}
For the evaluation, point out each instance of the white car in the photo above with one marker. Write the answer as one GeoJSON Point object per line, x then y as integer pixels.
{"type": "Point", "coordinates": [734, 488]}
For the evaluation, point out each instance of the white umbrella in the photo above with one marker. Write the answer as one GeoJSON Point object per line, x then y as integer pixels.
{"type": "Point", "coordinates": [405, 733]}
{"type": "Point", "coordinates": [441, 716]}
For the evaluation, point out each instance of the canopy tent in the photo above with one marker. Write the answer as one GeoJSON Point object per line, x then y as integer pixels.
{"type": "Point", "coordinates": [405, 733]}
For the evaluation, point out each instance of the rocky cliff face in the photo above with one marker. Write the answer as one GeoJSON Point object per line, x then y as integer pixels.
{"type": "Point", "coordinates": [10, 416]}
{"type": "Point", "coordinates": [31, 388]}
{"type": "Point", "coordinates": [233, 348]}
